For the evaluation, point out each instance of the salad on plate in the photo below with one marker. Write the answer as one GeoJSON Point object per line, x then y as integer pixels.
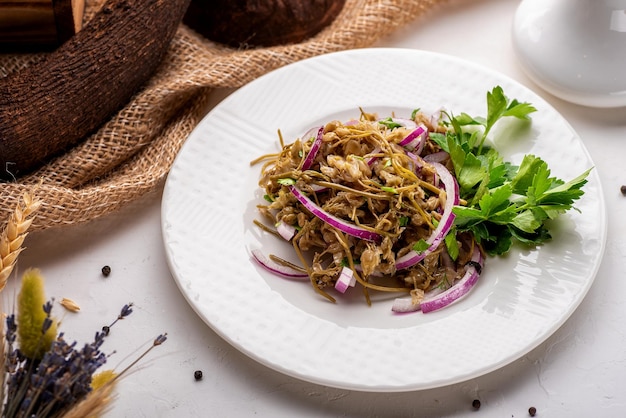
{"type": "Point", "coordinates": [411, 204]}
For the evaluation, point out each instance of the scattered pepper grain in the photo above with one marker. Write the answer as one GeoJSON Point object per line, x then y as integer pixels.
{"type": "Point", "coordinates": [106, 330]}
{"type": "Point", "coordinates": [106, 270]}
{"type": "Point", "coordinates": [476, 404]}
{"type": "Point", "coordinates": [532, 411]}
{"type": "Point", "coordinates": [197, 375]}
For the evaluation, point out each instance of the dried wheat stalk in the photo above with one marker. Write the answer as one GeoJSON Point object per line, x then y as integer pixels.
{"type": "Point", "coordinates": [13, 235]}
{"type": "Point", "coordinates": [94, 404]}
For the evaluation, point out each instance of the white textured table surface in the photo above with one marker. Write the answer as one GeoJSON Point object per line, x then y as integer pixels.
{"type": "Point", "coordinates": [580, 371]}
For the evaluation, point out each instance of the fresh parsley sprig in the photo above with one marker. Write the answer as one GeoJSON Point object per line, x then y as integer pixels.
{"type": "Point", "coordinates": [504, 202]}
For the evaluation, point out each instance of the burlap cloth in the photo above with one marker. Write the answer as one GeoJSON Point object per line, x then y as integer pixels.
{"type": "Point", "coordinates": [132, 153]}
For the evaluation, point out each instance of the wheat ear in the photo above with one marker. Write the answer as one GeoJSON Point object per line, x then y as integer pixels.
{"type": "Point", "coordinates": [13, 235]}
{"type": "Point", "coordinates": [95, 403]}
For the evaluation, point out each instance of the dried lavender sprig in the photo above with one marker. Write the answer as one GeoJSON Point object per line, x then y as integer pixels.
{"type": "Point", "coordinates": [20, 368]}
{"type": "Point", "coordinates": [27, 376]}
{"type": "Point", "coordinates": [95, 401]}
{"type": "Point", "coordinates": [160, 339]}
{"type": "Point", "coordinates": [126, 310]}
{"type": "Point", "coordinates": [62, 378]}
{"type": "Point", "coordinates": [56, 382]}
{"type": "Point", "coordinates": [13, 360]}
{"type": "Point", "coordinates": [3, 358]}
{"type": "Point", "coordinates": [75, 383]}
{"type": "Point", "coordinates": [11, 333]}
{"type": "Point", "coordinates": [48, 321]}
{"type": "Point", "coordinates": [157, 342]}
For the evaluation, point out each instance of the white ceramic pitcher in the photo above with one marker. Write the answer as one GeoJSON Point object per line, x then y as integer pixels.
{"type": "Point", "coordinates": [574, 49]}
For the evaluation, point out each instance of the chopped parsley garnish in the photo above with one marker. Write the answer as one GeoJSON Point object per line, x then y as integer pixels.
{"type": "Point", "coordinates": [504, 202]}
{"type": "Point", "coordinates": [388, 189]}
{"type": "Point", "coordinates": [420, 246]}
{"type": "Point", "coordinates": [451, 245]}
{"type": "Point", "coordinates": [287, 181]}
{"type": "Point", "coordinates": [390, 123]}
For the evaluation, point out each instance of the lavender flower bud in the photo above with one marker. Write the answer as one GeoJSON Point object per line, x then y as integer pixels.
{"type": "Point", "coordinates": [160, 339]}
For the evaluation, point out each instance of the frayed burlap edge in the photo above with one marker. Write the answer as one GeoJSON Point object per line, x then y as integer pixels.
{"type": "Point", "coordinates": [132, 153]}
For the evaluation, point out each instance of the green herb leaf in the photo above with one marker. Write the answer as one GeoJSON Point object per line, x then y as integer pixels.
{"type": "Point", "coordinates": [505, 203]}
{"type": "Point", "coordinates": [420, 246]}
{"type": "Point", "coordinates": [468, 168]}
{"type": "Point", "coordinates": [526, 221]}
{"type": "Point", "coordinates": [286, 181]}
{"type": "Point", "coordinates": [464, 119]}
{"type": "Point", "coordinates": [444, 284]}
{"type": "Point", "coordinates": [452, 245]}
{"type": "Point", "coordinates": [519, 110]}
{"type": "Point", "coordinates": [498, 106]}
{"type": "Point", "coordinates": [390, 123]}
{"type": "Point", "coordinates": [440, 139]}
{"type": "Point", "coordinates": [388, 189]}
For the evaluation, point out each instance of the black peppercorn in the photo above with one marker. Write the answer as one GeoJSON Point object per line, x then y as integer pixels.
{"type": "Point", "coordinates": [623, 189]}
{"type": "Point", "coordinates": [476, 404]}
{"type": "Point", "coordinates": [197, 375]}
{"type": "Point", "coordinates": [106, 270]}
{"type": "Point", "coordinates": [532, 411]}
{"type": "Point", "coordinates": [106, 330]}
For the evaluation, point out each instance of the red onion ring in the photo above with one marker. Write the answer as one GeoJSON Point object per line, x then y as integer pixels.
{"type": "Point", "coordinates": [437, 157]}
{"type": "Point", "coordinates": [445, 223]}
{"type": "Point", "coordinates": [437, 299]}
{"type": "Point", "coordinates": [406, 305]}
{"type": "Point", "coordinates": [416, 139]}
{"type": "Point", "coordinates": [417, 161]}
{"type": "Point", "coordinates": [285, 230]}
{"type": "Point", "coordinates": [334, 221]}
{"type": "Point", "coordinates": [371, 160]}
{"type": "Point", "coordinates": [315, 147]}
{"type": "Point", "coordinates": [346, 279]}
{"type": "Point", "coordinates": [460, 289]}
{"type": "Point", "coordinates": [275, 268]}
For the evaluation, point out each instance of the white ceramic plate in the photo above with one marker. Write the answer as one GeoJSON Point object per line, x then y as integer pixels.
{"type": "Point", "coordinates": [209, 205]}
